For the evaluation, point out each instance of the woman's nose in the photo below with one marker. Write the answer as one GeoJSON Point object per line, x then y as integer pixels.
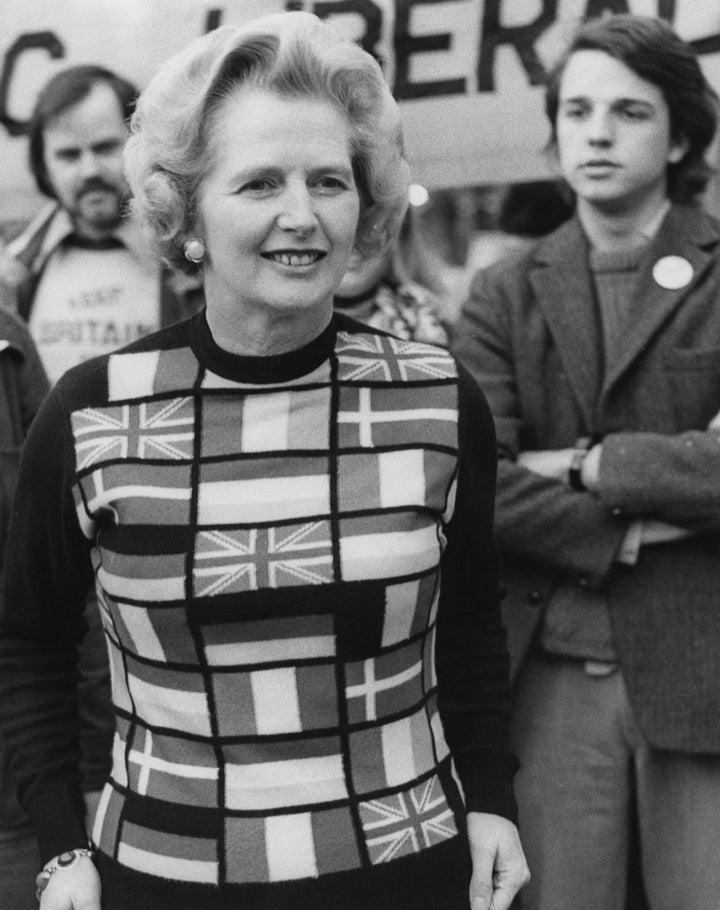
{"type": "Point", "coordinates": [298, 211]}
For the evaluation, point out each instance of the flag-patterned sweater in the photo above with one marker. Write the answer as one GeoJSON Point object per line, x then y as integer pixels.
{"type": "Point", "coordinates": [298, 583]}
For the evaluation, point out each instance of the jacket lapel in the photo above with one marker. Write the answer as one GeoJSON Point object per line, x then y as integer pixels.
{"type": "Point", "coordinates": [689, 234]}
{"type": "Point", "coordinates": [562, 285]}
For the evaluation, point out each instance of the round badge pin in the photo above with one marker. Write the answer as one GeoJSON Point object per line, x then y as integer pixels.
{"type": "Point", "coordinates": [672, 272]}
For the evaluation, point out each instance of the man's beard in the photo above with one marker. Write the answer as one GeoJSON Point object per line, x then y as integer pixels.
{"type": "Point", "coordinates": [98, 205]}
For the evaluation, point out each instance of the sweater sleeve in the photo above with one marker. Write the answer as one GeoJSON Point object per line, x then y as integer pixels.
{"type": "Point", "coordinates": [472, 660]}
{"type": "Point", "coordinates": [48, 573]}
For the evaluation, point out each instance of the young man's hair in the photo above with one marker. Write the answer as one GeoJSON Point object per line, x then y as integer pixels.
{"type": "Point", "coordinates": [66, 89]}
{"type": "Point", "coordinates": [652, 50]}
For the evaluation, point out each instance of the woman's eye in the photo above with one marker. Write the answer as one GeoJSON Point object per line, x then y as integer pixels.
{"type": "Point", "coordinates": [261, 185]}
{"type": "Point", "coordinates": [330, 184]}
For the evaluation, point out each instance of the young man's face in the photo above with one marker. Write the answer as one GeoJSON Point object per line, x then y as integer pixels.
{"type": "Point", "coordinates": [613, 134]}
{"type": "Point", "coordinates": [83, 158]}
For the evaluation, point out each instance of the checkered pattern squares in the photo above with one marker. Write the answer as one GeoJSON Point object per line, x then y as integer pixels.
{"type": "Point", "coordinates": [407, 478]}
{"type": "Point", "coordinates": [175, 771]}
{"type": "Point", "coordinates": [389, 546]}
{"type": "Point", "coordinates": [241, 492]}
{"type": "Point", "coordinates": [292, 846]}
{"type": "Point", "coordinates": [408, 608]}
{"type": "Point", "coordinates": [146, 373]}
{"type": "Point", "coordinates": [137, 494]}
{"type": "Point", "coordinates": [377, 416]}
{"type": "Point", "coordinates": [276, 701]}
{"type": "Point", "coordinates": [392, 754]}
{"type": "Point", "coordinates": [120, 693]}
{"type": "Point", "coordinates": [385, 686]}
{"type": "Point", "coordinates": [407, 822]}
{"type": "Point", "coordinates": [284, 773]}
{"type": "Point", "coordinates": [156, 634]}
{"type": "Point", "coordinates": [280, 638]}
{"type": "Point", "coordinates": [168, 699]}
{"type": "Point", "coordinates": [230, 561]}
{"type": "Point", "coordinates": [174, 856]}
{"type": "Point", "coordinates": [143, 578]}
{"type": "Point", "coordinates": [107, 824]}
{"type": "Point", "coordinates": [375, 358]}
{"type": "Point", "coordinates": [154, 431]}
{"type": "Point", "coordinates": [281, 421]}
{"type": "Point", "coordinates": [269, 572]}
{"type": "Point", "coordinates": [442, 750]}
{"type": "Point", "coordinates": [132, 375]}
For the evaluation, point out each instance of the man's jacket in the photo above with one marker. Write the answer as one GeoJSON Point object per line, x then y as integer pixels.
{"type": "Point", "coordinates": [531, 335]}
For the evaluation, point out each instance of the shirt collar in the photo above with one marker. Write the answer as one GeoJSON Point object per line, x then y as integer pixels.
{"type": "Point", "coordinates": [653, 226]}
{"type": "Point", "coordinates": [128, 233]}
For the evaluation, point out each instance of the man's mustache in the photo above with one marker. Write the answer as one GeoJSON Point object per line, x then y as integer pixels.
{"type": "Point", "coordinates": [94, 185]}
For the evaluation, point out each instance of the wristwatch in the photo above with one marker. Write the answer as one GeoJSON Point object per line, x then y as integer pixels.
{"type": "Point", "coordinates": [582, 447]}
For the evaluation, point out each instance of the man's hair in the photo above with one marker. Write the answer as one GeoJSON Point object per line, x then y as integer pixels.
{"type": "Point", "coordinates": [293, 55]}
{"type": "Point", "coordinates": [66, 89]}
{"type": "Point", "coordinates": [652, 50]}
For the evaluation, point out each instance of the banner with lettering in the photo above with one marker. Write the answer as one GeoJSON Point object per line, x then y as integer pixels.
{"type": "Point", "coordinates": [467, 73]}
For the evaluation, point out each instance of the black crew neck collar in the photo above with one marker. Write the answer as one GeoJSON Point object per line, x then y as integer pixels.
{"type": "Point", "coordinates": [86, 243]}
{"type": "Point", "coordinates": [273, 368]}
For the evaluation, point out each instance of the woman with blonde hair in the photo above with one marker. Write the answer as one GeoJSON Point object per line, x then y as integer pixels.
{"type": "Point", "coordinates": [288, 518]}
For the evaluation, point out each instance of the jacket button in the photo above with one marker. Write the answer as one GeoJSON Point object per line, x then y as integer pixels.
{"type": "Point", "coordinates": [535, 598]}
{"type": "Point", "coordinates": [584, 582]}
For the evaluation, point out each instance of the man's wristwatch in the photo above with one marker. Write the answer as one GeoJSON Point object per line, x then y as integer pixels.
{"type": "Point", "coordinates": [582, 447]}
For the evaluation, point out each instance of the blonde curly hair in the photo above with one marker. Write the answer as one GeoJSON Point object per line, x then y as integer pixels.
{"type": "Point", "coordinates": [292, 54]}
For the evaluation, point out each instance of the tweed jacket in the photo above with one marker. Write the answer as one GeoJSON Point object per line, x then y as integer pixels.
{"type": "Point", "coordinates": [531, 336]}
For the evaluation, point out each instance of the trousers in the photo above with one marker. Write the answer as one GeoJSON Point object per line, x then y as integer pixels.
{"type": "Point", "coordinates": [587, 777]}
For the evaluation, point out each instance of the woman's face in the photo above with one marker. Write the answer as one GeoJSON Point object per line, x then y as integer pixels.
{"type": "Point", "coordinates": [279, 208]}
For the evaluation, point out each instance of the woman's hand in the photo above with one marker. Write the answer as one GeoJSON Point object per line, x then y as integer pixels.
{"type": "Point", "coordinates": [499, 866]}
{"type": "Point", "coordinates": [76, 888]}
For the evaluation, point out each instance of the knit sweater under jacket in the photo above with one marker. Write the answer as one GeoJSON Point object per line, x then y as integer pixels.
{"type": "Point", "coordinates": [298, 582]}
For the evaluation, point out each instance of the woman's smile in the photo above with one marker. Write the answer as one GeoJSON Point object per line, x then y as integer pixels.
{"type": "Point", "coordinates": [295, 258]}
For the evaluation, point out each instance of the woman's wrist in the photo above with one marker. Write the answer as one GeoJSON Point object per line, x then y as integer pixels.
{"type": "Point", "coordinates": [61, 863]}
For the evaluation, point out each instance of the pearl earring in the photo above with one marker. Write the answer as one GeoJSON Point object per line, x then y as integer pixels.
{"type": "Point", "coordinates": [195, 251]}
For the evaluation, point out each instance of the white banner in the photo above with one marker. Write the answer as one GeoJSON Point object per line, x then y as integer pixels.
{"type": "Point", "coordinates": [467, 73]}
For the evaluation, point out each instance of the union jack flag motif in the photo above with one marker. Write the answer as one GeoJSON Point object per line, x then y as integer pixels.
{"type": "Point", "coordinates": [254, 558]}
{"type": "Point", "coordinates": [375, 358]}
{"type": "Point", "coordinates": [156, 429]}
{"type": "Point", "coordinates": [407, 822]}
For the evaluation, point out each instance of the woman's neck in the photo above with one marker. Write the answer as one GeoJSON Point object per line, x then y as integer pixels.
{"type": "Point", "coordinates": [263, 333]}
